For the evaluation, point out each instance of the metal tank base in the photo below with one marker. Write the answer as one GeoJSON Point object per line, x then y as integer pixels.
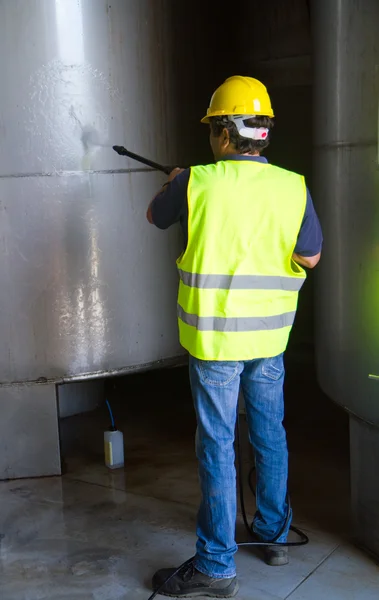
{"type": "Point", "coordinates": [364, 445]}
{"type": "Point", "coordinates": [29, 434]}
{"type": "Point", "coordinates": [29, 428]}
{"type": "Point", "coordinates": [80, 397]}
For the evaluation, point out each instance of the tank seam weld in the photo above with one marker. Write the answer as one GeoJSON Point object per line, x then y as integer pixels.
{"type": "Point", "coordinates": [73, 173]}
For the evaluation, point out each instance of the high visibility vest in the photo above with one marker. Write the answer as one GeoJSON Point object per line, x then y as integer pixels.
{"type": "Point", "coordinates": [239, 286]}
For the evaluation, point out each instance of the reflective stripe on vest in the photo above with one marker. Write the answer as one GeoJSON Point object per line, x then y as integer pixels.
{"type": "Point", "coordinates": [239, 287]}
{"type": "Point", "coordinates": [237, 323]}
{"type": "Point", "coordinates": [240, 282]}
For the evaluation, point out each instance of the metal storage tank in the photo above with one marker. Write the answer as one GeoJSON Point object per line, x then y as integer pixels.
{"type": "Point", "coordinates": [346, 57]}
{"type": "Point", "coordinates": [87, 287]}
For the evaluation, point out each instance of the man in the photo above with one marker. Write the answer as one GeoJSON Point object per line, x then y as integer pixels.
{"type": "Point", "coordinates": [249, 229]}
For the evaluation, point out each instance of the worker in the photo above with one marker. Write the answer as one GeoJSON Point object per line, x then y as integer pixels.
{"type": "Point", "coordinates": [250, 229]}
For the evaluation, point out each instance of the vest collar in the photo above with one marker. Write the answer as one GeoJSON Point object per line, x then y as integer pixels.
{"type": "Point", "coordinates": [260, 159]}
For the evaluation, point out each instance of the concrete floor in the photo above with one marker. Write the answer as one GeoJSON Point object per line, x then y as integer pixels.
{"type": "Point", "coordinates": [93, 534]}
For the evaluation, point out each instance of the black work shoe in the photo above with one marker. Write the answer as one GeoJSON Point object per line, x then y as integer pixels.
{"type": "Point", "coordinates": [276, 556]}
{"type": "Point", "coordinates": [189, 582]}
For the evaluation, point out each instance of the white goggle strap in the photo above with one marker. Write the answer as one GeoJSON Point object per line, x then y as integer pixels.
{"type": "Point", "coordinates": [253, 133]}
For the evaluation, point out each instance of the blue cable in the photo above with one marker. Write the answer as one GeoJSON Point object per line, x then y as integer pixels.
{"type": "Point", "coordinates": [111, 414]}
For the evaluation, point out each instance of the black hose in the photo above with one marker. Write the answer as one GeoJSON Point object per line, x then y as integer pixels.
{"type": "Point", "coordinates": [303, 537]}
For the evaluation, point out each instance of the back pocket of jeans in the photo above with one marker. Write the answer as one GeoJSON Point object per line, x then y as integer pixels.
{"type": "Point", "coordinates": [219, 373]}
{"type": "Point", "coordinates": [273, 368]}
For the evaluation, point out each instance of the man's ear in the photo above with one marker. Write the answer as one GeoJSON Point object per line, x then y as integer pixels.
{"type": "Point", "coordinates": [225, 138]}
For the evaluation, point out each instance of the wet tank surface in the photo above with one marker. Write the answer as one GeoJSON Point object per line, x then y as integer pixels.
{"type": "Point", "coordinates": [86, 278]}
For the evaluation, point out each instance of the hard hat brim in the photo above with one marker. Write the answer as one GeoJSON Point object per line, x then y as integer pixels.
{"type": "Point", "coordinates": [222, 113]}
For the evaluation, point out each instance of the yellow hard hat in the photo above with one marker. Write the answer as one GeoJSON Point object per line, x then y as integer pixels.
{"type": "Point", "coordinates": [240, 96]}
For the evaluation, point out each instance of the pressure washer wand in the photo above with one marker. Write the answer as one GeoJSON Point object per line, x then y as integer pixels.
{"type": "Point", "coordinates": [145, 161]}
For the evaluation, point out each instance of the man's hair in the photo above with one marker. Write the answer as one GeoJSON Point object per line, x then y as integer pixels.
{"type": "Point", "coordinates": [242, 144]}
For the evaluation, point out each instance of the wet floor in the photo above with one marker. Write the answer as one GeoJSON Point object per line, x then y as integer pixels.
{"type": "Point", "coordinates": [98, 535]}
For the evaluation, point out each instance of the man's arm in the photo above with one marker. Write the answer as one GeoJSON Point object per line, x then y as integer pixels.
{"type": "Point", "coordinates": [306, 261]}
{"type": "Point", "coordinates": [307, 252]}
{"type": "Point", "coordinates": [168, 205]}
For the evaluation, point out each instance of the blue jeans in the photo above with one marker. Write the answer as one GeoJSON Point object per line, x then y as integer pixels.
{"type": "Point", "coordinates": [215, 387]}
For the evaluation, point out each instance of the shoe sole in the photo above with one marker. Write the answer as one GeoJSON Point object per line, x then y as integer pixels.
{"type": "Point", "coordinates": [206, 592]}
